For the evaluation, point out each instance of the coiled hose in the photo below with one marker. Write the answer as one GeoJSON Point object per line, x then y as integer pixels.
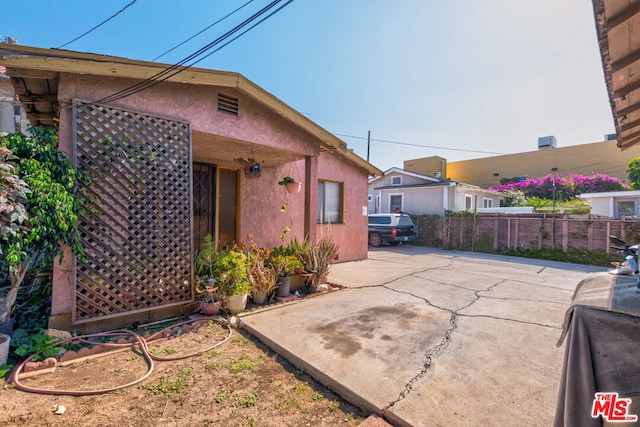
{"type": "Point", "coordinates": [149, 358]}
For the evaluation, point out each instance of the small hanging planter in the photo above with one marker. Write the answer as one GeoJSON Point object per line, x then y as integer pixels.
{"type": "Point", "coordinates": [250, 165]}
{"type": "Point", "coordinates": [291, 185]}
{"type": "Point", "coordinates": [251, 170]}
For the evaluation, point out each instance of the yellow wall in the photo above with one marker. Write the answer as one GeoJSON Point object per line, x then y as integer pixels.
{"type": "Point", "coordinates": [585, 159]}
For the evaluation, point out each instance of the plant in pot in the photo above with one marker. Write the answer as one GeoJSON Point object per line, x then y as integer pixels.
{"type": "Point", "coordinates": [206, 283]}
{"type": "Point", "coordinates": [291, 185]}
{"type": "Point", "coordinates": [263, 278]}
{"type": "Point", "coordinates": [317, 258]}
{"type": "Point", "coordinates": [210, 299]}
{"type": "Point", "coordinates": [231, 270]}
{"type": "Point", "coordinates": [285, 266]}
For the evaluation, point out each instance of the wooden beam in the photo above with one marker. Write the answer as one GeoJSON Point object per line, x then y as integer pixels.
{"type": "Point", "coordinates": [624, 91]}
{"type": "Point", "coordinates": [31, 74]}
{"type": "Point", "coordinates": [628, 126]}
{"type": "Point", "coordinates": [24, 99]}
{"type": "Point", "coordinates": [628, 110]}
{"type": "Point", "coordinates": [623, 16]}
{"type": "Point", "coordinates": [624, 143]}
{"type": "Point", "coordinates": [42, 116]}
{"type": "Point", "coordinates": [625, 61]}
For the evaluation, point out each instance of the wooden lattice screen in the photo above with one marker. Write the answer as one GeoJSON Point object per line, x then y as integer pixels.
{"type": "Point", "coordinates": [137, 231]}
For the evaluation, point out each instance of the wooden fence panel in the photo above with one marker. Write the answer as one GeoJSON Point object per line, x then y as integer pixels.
{"type": "Point", "coordinates": [499, 232]}
{"type": "Point", "coordinates": [137, 229]}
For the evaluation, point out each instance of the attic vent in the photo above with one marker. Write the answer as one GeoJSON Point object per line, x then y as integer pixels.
{"type": "Point", "coordinates": [228, 104]}
{"type": "Point", "coordinates": [396, 180]}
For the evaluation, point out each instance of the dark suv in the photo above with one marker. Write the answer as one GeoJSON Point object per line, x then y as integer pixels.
{"type": "Point", "coordinates": [392, 228]}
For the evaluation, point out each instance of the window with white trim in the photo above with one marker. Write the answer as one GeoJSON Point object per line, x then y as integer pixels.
{"type": "Point", "coordinates": [487, 203]}
{"type": "Point", "coordinates": [329, 202]}
{"type": "Point", "coordinates": [396, 180]}
{"type": "Point", "coordinates": [468, 202]}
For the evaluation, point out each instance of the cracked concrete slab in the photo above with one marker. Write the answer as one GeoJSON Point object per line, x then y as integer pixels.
{"type": "Point", "coordinates": [430, 337]}
{"type": "Point", "coordinates": [493, 373]}
{"type": "Point", "coordinates": [349, 340]}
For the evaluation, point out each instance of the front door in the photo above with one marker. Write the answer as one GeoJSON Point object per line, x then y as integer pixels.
{"type": "Point", "coordinates": [214, 215]}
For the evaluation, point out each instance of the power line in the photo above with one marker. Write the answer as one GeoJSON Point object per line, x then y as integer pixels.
{"type": "Point", "coordinates": [201, 31]}
{"type": "Point", "coordinates": [180, 67]}
{"type": "Point", "coordinates": [420, 145]}
{"type": "Point", "coordinates": [100, 24]}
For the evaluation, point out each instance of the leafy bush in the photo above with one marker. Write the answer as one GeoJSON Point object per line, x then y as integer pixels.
{"type": "Point", "coordinates": [566, 187]}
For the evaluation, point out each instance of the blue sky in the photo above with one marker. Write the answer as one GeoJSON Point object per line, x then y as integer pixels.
{"type": "Point", "coordinates": [457, 79]}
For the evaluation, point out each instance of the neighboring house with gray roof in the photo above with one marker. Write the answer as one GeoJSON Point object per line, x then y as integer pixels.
{"type": "Point", "coordinates": [419, 194]}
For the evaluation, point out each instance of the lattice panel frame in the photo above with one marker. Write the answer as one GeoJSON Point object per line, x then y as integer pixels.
{"type": "Point", "coordinates": [137, 229]}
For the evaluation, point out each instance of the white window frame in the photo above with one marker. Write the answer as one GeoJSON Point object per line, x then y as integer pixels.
{"type": "Point", "coordinates": [399, 177]}
{"type": "Point", "coordinates": [401, 201]}
{"type": "Point", "coordinates": [635, 207]}
{"type": "Point", "coordinates": [487, 202]}
{"type": "Point", "coordinates": [321, 215]}
{"type": "Point", "coordinates": [468, 202]}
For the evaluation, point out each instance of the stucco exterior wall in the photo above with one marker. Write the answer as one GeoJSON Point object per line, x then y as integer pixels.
{"type": "Point", "coordinates": [197, 105]}
{"type": "Point", "coordinates": [261, 198]}
{"type": "Point", "coordinates": [351, 235]}
{"type": "Point", "coordinates": [260, 202]}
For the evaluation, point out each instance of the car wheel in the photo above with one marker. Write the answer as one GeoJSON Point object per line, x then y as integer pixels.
{"type": "Point", "coordinates": [394, 243]}
{"type": "Point", "coordinates": [375, 240]}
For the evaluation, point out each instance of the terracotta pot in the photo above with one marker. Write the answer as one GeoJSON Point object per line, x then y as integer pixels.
{"type": "Point", "coordinates": [293, 187]}
{"type": "Point", "coordinates": [210, 308]}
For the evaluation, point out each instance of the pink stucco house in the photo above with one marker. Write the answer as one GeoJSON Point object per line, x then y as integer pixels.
{"type": "Point", "coordinates": [165, 174]}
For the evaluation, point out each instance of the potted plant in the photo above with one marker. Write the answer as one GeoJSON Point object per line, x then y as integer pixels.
{"type": "Point", "coordinates": [291, 185]}
{"type": "Point", "coordinates": [263, 278]}
{"type": "Point", "coordinates": [317, 258]}
{"type": "Point", "coordinates": [285, 266]}
{"type": "Point", "coordinates": [250, 166]}
{"type": "Point", "coordinates": [229, 268]}
{"type": "Point", "coordinates": [210, 300]}
{"type": "Point", "coordinates": [231, 272]}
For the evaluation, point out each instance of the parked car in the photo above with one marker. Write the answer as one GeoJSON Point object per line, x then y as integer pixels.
{"type": "Point", "coordinates": [391, 228]}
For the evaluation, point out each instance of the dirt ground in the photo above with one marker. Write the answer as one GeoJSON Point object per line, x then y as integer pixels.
{"type": "Point", "coordinates": [239, 383]}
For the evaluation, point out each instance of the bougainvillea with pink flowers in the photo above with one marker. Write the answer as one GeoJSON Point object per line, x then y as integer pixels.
{"type": "Point", "coordinates": [566, 187]}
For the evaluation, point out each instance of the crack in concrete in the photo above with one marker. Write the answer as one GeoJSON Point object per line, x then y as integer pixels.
{"type": "Point", "coordinates": [446, 339]}
{"type": "Point", "coordinates": [524, 322]}
{"type": "Point", "coordinates": [427, 364]}
{"type": "Point", "coordinates": [453, 322]}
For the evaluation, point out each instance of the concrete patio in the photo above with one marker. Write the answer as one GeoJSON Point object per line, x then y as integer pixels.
{"type": "Point", "coordinates": [428, 337]}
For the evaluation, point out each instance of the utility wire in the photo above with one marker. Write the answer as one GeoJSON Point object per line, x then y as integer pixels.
{"type": "Point", "coordinates": [421, 145]}
{"type": "Point", "coordinates": [201, 31]}
{"type": "Point", "coordinates": [245, 31]}
{"type": "Point", "coordinates": [180, 67]}
{"type": "Point", "coordinates": [100, 24]}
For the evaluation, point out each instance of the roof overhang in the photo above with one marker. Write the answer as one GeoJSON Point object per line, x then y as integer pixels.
{"type": "Point", "coordinates": [618, 29]}
{"type": "Point", "coordinates": [35, 74]}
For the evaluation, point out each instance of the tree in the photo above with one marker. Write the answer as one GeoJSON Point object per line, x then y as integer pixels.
{"type": "Point", "coordinates": [39, 205]}
{"type": "Point", "coordinates": [633, 172]}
